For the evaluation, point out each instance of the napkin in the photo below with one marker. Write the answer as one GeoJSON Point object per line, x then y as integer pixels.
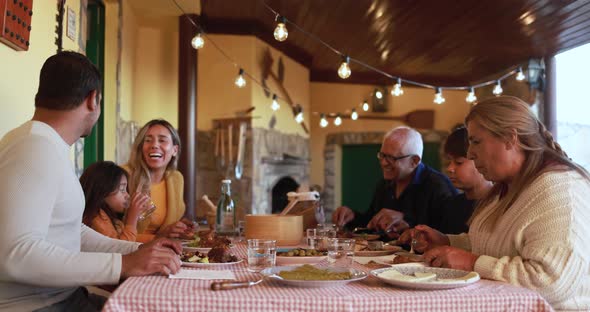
{"type": "Point", "coordinates": [204, 274]}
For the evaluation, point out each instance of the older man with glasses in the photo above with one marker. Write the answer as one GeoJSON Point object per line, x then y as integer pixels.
{"type": "Point", "coordinates": [409, 193]}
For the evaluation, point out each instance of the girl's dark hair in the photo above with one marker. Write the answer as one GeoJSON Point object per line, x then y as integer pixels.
{"type": "Point", "coordinates": [98, 181]}
{"type": "Point", "coordinates": [456, 144]}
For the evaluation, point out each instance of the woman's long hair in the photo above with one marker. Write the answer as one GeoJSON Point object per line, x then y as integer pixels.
{"type": "Point", "coordinates": [503, 116]}
{"type": "Point", "coordinates": [140, 172]}
{"type": "Point", "coordinates": [98, 181]}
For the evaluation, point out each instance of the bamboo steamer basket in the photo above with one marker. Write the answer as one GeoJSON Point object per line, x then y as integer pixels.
{"type": "Point", "coordinates": [286, 230]}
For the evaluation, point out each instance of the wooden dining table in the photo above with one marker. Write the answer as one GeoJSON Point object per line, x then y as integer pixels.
{"type": "Point", "coordinates": [160, 293]}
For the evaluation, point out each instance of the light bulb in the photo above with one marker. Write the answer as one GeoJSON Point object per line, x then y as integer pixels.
{"type": "Point", "coordinates": [365, 105]}
{"type": "Point", "coordinates": [198, 41]}
{"type": "Point", "coordinates": [378, 94]}
{"type": "Point", "coordinates": [338, 120]}
{"type": "Point", "coordinates": [438, 97]}
{"type": "Point", "coordinates": [240, 81]}
{"type": "Point", "coordinates": [471, 96]}
{"type": "Point", "coordinates": [275, 103]}
{"type": "Point", "coordinates": [299, 116]}
{"type": "Point", "coordinates": [497, 89]}
{"type": "Point", "coordinates": [323, 121]}
{"type": "Point", "coordinates": [354, 115]}
{"type": "Point", "coordinates": [281, 32]}
{"type": "Point", "coordinates": [519, 74]}
{"type": "Point", "coordinates": [397, 88]}
{"type": "Point", "coordinates": [344, 69]}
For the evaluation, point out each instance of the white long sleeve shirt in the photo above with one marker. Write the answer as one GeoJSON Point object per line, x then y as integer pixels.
{"type": "Point", "coordinates": [45, 250]}
{"type": "Point", "coordinates": [542, 242]}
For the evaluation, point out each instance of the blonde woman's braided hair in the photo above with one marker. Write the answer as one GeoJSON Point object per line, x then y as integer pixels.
{"type": "Point", "coordinates": [551, 143]}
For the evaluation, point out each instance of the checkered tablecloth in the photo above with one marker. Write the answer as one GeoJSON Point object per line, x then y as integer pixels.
{"type": "Point", "coordinates": [158, 293]}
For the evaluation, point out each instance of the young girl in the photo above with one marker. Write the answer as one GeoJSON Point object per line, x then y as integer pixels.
{"type": "Point", "coordinates": [105, 188]}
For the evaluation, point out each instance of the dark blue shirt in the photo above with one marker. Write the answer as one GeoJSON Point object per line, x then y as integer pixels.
{"type": "Point", "coordinates": [420, 202]}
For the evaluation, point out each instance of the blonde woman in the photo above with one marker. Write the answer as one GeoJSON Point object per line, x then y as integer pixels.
{"type": "Point", "coordinates": [152, 170]}
{"type": "Point", "coordinates": [532, 229]}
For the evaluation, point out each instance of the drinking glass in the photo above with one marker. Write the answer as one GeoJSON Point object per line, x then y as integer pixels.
{"type": "Point", "coordinates": [340, 252]}
{"type": "Point", "coordinates": [262, 254]}
{"type": "Point", "coordinates": [148, 212]}
{"type": "Point", "coordinates": [317, 238]}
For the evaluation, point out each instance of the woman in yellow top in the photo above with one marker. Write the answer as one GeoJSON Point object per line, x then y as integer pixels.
{"type": "Point", "coordinates": [152, 170]}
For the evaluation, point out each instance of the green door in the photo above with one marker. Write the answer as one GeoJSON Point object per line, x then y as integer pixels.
{"type": "Point", "coordinates": [360, 173]}
{"type": "Point", "coordinates": [94, 143]}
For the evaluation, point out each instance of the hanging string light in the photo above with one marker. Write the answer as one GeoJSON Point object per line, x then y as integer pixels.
{"type": "Point", "coordinates": [354, 115]}
{"type": "Point", "coordinates": [397, 88]}
{"type": "Point", "coordinates": [498, 89]}
{"type": "Point", "coordinates": [378, 94]}
{"type": "Point", "coordinates": [338, 120]}
{"type": "Point", "coordinates": [519, 74]}
{"type": "Point", "coordinates": [471, 96]}
{"type": "Point", "coordinates": [299, 116]}
{"type": "Point", "coordinates": [240, 81]}
{"type": "Point", "coordinates": [365, 105]}
{"type": "Point", "coordinates": [323, 120]}
{"type": "Point", "coordinates": [344, 69]}
{"type": "Point", "coordinates": [438, 97]}
{"type": "Point", "coordinates": [275, 103]}
{"type": "Point", "coordinates": [198, 41]}
{"type": "Point", "coordinates": [281, 32]}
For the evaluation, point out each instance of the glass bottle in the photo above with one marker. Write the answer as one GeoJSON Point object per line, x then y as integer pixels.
{"type": "Point", "coordinates": [226, 213]}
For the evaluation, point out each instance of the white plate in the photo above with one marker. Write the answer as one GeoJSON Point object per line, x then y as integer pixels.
{"type": "Point", "coordinates": [271, 273]}
{"type": "Point", "coordinates": [194, 249]}
{"type": "Point", "coordinates": [444, 279]}
{"type": "Point", "coordinates": [209, 265]}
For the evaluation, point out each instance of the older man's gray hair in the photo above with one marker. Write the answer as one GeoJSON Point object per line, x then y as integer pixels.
{"type": "Point", "coordinates": [410, 140]}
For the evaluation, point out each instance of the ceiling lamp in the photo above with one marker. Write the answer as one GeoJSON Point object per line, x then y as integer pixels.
{"type": "Point", "coordinates": [323, 121]}
{"type": "Point", "coordinates": [281, 32]}
{"type": "Point", "coordinates": [378, 94]}
{"type": "Point", "coordinates": [397, 88]}
{"type": "Point", "coordinates": [438, 97]}
{"type": "Point", "coordinates": [471, 96]}
{"type": "Point", "coordinates": [338, 120]}
{"type": "Point", "coordinates": [497, 89]}
{"type": "Point", "coordinates": [240, 81]}
{"type": "Point", "coordinates": [275, 103]}
{"type": "Point", "coordinates": [198, 41]}
{"type": "Point", "coordinates": [344, 69]}
{"type": "Point", "coordinates": [519, 74]}
{"type": "Point", "coordinates": [354, 115]}
{"type": "Point", "coordinates": [365, 105]}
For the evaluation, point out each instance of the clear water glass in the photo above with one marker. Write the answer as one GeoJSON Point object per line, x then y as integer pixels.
{"type": "Point", "coordinates": [262, 254]}
{"type": "Point", "coordinates": [148, 212]}
{"type": "Point", "coordinates": [340, 252]}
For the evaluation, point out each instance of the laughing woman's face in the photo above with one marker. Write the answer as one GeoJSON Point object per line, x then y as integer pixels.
{"type": "Point", "coordinates": [158, 148]}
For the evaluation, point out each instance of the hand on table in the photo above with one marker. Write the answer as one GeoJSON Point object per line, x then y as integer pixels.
{"type": "Point", "coordinates": [342, 216]}
{"type": "Point", "coordinates": [424, 238]}
{"type": "Point", "coordinates": [450, 257]}
{"type": "Point", "coordinates": [159, 256]}
{"type": "Point", "coordinates": [389, 221]}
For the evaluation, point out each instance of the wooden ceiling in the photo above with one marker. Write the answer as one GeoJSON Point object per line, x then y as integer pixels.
{"type": "Point", "coordinates": [443, 43]}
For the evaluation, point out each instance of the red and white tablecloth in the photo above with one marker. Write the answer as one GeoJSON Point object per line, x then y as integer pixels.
{"type": "Point", "coordinates": [159, 293]}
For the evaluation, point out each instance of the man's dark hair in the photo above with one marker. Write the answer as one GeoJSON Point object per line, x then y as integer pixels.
{"type": "Point", "coordinates": [456, 144]}
{"type": "Point", "coordinates": [65, 81]}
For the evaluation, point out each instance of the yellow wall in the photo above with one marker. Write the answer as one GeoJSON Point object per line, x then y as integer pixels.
{"type": "Point", "coordinates": [333, 98]}
{"type": "Point", "coordinates": [110, 78]}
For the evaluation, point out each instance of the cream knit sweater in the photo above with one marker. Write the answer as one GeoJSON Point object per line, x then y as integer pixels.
{"type": "Point", "coordinates": [542, 242]}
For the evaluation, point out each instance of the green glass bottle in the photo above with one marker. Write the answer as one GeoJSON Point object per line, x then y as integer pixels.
{"type": "Point", "coordinates": [226, 212]}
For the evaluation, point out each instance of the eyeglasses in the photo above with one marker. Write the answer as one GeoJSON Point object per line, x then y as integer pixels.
{"type": "Point", "coordinates": [391, 158]}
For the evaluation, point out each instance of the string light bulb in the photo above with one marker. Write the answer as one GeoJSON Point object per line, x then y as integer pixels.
{"type": "Point", "coordinates": [281, 32]}
{"type": "Point", "coordinates": [299, 116]}
{"type": "Point", "coordinates": [519, 74]}
{"type": "Point", "coordinates": [323, 121]}
{"type": "Point", "coordinates": [471, 96]}
{"type": "Point", "coordinates": [240, 81]}
{"type": "Point", "coordinates": [338, 120]}
{"type": "Point", "coordinates": [354, 115]}
{"type": "Point", "coordinates": [344, 69]}
{"type": "Point", "coordinates": [397, 88]}
{"type": "Point", "coordinates": [275, 103]}
{"type": "Point", "coordinates": [365, 105]}
{"type": "Point", "coordinates": [378, 94]}
{"type": "Point", "coordinates": [438, 97]}
{"type": "Point", "coordinates": [498, 88]}
{"type": "Point", "coordinates": [198, 41]}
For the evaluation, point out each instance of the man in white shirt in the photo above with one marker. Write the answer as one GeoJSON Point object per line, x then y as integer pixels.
{"type": "Point", "coordinates": [46, 253]}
